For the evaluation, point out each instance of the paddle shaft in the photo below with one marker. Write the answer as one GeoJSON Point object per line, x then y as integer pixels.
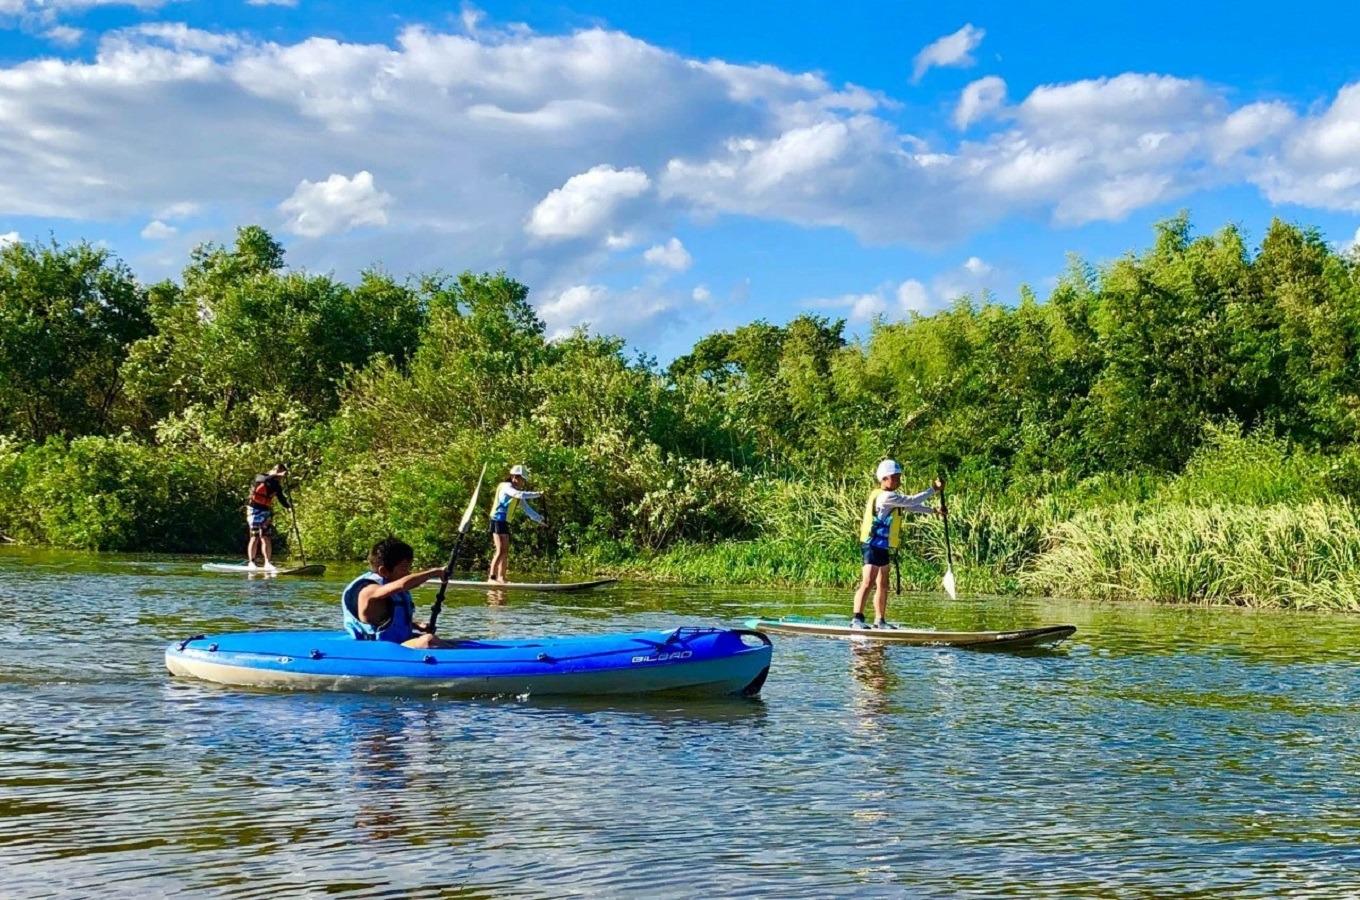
{"type": "Point", "coordinates": [552, 540]}
{"type": "Point", "coordinates": [444, 582]}
{"type": "Point", "coordinates": [292, 517]}
{"type": "Point", "coordinates": [944, 513]}
{"type": "Point", "coordinates": [453, 554]}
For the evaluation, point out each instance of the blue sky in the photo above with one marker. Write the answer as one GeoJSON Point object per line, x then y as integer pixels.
{"type": "Point", "coordinates": [663, 170]}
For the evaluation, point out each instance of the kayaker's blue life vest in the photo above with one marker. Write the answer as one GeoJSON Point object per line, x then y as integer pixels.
{"type": "Point", "coordinates": [880, 529]}
{"type": "Point", "coordinates": [398, 626]}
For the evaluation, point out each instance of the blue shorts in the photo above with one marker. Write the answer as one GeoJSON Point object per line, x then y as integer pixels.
{"type": "Point", "coordinates": [500, 526]}
{"type": "Point", "coordinates": [876, 556]}
{"type": "Point", "coordinates": [259, 520]}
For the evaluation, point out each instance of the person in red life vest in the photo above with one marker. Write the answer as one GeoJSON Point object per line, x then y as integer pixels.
{"type": "Point", "coordinates": [260, 514]}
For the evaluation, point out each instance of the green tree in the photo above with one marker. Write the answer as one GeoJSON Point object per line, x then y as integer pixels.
{"type": "Point", "coordinates": [67, 317]}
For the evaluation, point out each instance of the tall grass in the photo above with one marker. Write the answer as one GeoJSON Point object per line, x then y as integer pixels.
{"type": "Point", "coordinates": [1303, 556]}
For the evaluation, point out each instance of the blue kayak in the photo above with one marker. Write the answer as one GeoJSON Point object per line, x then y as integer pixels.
{"type": "Point", "coordinates": [689, 661]}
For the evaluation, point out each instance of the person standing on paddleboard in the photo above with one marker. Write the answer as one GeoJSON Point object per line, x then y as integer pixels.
{"type": "Point", "coordinates": [510, 495]}
{"type": "Point", "coordinates": [880, 534]}
{"type": "Point", "coordinates": [260, 514]}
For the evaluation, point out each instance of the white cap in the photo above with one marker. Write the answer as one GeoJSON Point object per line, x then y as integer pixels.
{"type": "Point", "coordinates": [888, 467]}
{"type": "Point", "coordinates": [518, 470]}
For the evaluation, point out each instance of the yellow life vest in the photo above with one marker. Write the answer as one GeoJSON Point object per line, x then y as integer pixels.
{"type": "Point", "coordinates": [503, 505]}
{"type": "Point", "coordinates": [880, 529]}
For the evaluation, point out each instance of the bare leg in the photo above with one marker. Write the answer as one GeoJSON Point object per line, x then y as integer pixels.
{"type": "Point", "coordinates": [427, 642]}
{"type": "Point", "coordinates": [498, 558]}
{"type": "Point", "coordinates": [881, 593]}
{"type": "Point", "coordinates": [862, 591]}
{"type": "Point", "coordinates": [266, 547]}
{"type": "Point", "coordinates": [251, 547]}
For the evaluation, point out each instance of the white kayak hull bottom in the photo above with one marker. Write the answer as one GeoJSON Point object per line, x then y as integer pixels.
{"type": "Point", "coordinates": [709, 678]}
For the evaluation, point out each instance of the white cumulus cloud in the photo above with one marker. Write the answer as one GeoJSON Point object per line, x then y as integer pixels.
{"type": "Point", "coordinates": [1319, 161]}
{"type": "Point", "coordinates": [979, 100]}
{"type": "Point", "coordinates": [670, 255]}
{"type": "Point", "coordinates": [701, 294]}
{"type": "Point", "coordinates": [545, 154]}
{"type": "Point", "coordinates": [64, 35]}
{"type": "Point", "coordinates": [335, 205]}
{"type": "Point", "coordinates": [9, 237]}
{"type": "Point", "coordinates": [955, 50]}
{"type": "Point", "coordinates": [156, 230]}
{"type": "Point", "coordinates": [631, 313]}
{"type": "Point", "coordinates": [912, 296]}
{"type": "Point", "coordinates": [586, 203]}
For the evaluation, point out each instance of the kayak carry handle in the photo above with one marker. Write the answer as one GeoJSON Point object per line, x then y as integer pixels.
{"type": "Point", "coordinates": [764, 638]}
{"type": "Point", "coordinates": [184, 643]}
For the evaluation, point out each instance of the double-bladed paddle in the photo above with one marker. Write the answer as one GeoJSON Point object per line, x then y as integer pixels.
{"type": "Point", "coordinates": [453, 555]}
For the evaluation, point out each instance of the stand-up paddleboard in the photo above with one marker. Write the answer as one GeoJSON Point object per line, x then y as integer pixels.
{"type": "Point", "coordinates": [528, 585]}
{"type": "Point", "coordinates": [973, 640]}
{"type": "Point", "coordinates": [684, 661]}
{"type": "Point", "coordinates": [241, 569]}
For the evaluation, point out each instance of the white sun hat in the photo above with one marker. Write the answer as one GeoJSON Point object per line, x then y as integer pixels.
{"type": "Point", "coordinates": [888, 467]}
{"type": "Point", "coordinates": [518, 470]}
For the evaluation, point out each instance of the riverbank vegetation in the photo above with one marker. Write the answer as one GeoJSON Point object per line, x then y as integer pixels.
{"type": "Point", "coordinates": [1179, 424]}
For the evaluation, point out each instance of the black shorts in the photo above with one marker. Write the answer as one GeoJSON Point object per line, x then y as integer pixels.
{"type": "Point", "coordinates": [500, 526]}
{"type": "Point", "coordinates": [876, 556]}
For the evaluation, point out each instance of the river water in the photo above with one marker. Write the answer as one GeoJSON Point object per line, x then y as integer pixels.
{"type": "Point", "coordinates": [1162, 750]}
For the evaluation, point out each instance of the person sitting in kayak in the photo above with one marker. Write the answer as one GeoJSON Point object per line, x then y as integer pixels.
{"type": "Point", "coordinates": [880, 533]}
{"type": "Point", "coordinates": [260, 514]}
{"type": "Point", "coordinates": [378, 606]}
{"type": "Point", "coordinates": [510, 495]}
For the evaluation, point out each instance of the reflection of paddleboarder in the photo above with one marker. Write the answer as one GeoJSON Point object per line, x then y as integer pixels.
{"type": "Point", "coordinates": [510, 496]}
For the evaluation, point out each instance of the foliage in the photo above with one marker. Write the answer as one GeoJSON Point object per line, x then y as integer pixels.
{"type": "Point", "coordinates": [1125, 433]}
{"type": "Point", "coordinates": [67, 317]}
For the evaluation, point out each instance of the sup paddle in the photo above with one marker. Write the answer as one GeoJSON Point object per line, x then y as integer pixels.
{"type": "Point", "coordinates": [453, 555]}
{"type": "Point", "coordinates": [948, 552]}
{"type": "Point", "coordinates": [552, 540]}
{"type": "Point", "coordinates": [292, 518]}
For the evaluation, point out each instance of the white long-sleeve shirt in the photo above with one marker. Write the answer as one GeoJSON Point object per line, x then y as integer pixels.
{"type": "Point", "coordinates": [910, 502]}
{"type": "Point", "coordinates": [506, 493]}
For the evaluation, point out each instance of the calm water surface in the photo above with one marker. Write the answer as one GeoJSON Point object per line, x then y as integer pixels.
{"type": "Point", "coordinates": [1187, 751]}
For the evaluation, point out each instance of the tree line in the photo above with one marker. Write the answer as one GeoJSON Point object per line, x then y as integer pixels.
{"type": "Point", "coordinates": [134, 413]}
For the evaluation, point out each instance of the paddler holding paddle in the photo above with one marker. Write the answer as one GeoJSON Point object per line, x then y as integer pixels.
{"type": "Point", "coordinates": [880, 534]}
{"type": "Point", "coordinates": [510, 495]}
{"type": "Point", "coordinates": [260, 514]}
{"type": "Point", "coordinates": [378, 606]}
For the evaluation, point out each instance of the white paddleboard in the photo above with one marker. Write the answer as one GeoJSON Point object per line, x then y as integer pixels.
{"type": "Point", "coordinates": [526, 585]}
{"type": "Point", "coordinates": [242, 569]}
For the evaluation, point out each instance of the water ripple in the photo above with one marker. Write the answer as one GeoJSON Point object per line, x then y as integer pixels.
{"type": "Point", "coordinates": [1187, 751]}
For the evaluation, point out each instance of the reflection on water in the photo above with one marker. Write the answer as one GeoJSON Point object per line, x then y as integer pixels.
{"type": "Point", "coordinates": [1135, 760]}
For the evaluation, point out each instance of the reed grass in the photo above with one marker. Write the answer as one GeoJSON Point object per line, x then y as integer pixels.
{"type": "Point", "coordinates": [1304, 556]}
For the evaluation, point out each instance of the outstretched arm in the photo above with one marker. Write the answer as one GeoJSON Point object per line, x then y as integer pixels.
{"type": "Point", "coordinates": [910, 502]}
{"type": "Point", "coordinates": [415, 579]}
{"type": "Point", "coordinates": [532, 513]}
